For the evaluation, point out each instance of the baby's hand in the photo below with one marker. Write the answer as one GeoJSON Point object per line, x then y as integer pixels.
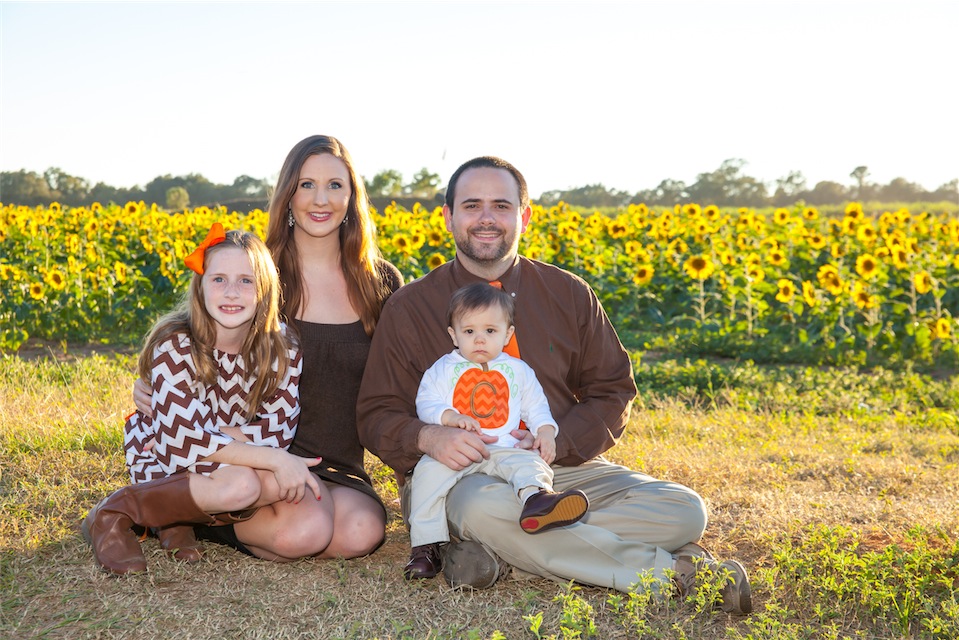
{"type": "Point", "coordinates": [545, 442]}
{"type": "Point", "coordinates": [454, 419]}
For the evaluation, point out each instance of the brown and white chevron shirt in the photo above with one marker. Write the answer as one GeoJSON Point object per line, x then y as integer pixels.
{"type": "Point", "coordinates": [188, 415]}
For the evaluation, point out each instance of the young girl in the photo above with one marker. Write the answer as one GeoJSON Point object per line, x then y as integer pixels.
{"type": "Point", "coordinates": [225, 407]}
{"type": "Point", "coordinates": [335, 282]}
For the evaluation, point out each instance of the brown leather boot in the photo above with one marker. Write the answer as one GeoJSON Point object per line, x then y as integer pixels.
{"type": "Point", "coordinates": [180, 540]}
{"type": "Point", "coordinates": [157, 503]}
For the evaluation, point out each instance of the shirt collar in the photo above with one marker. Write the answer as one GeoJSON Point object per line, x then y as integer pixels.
{"type": "Point", "coordinates": [510, 279]}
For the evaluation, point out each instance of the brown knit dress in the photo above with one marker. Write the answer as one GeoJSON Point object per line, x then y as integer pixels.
{"type": "Point", "coordinates": [334, 358]}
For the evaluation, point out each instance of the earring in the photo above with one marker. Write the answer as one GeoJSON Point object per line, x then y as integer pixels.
{"type": "Point", "coordinates": [289, 211]}
{"type": "Point", "coordinates": [345, 218]}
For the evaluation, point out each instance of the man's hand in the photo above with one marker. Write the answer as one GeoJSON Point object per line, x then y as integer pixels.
{"type": "Point", "coordinates": [143, 397]}
{"type": "Point", "coordinates": [456, 448]}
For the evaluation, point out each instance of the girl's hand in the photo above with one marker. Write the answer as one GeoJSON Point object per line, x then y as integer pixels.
{"type": "Point", "coordinates": [293, 476]}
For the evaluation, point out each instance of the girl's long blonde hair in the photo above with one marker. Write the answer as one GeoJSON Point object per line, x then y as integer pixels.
{"type": "Point", "coordinates": [265, 350]}
{"type": "Point", "coordinates": [358, 251]}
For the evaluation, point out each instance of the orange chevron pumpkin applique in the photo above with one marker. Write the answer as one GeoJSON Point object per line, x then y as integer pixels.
{"type": "Point", "coordinates": [483, 394]}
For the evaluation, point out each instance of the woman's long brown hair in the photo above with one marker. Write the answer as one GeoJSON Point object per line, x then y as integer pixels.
{"type": "Point", "coordinates": [358, 251]}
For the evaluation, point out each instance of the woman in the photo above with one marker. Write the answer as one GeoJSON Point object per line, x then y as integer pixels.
{"type": "Point", "coordinates": [322, 238]}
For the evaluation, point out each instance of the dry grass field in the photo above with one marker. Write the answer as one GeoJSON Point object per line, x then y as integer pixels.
{"type": "Point", "coordinates": [838, 490]}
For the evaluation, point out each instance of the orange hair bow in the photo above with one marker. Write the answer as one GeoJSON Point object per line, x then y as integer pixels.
{"type": "Point", "coordinates": [195, 260]}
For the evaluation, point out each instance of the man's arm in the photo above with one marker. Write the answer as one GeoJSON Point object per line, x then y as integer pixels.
{"type": "Point", "coordinates": [605, 389]}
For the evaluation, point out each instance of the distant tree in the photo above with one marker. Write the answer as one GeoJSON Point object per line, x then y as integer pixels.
{"type": "Point", "coordinates": [424, 184]}
{"type": "Point", "coordinates": [948, 192]}
{"type": "Point", "coordinates": [177, 199]}
{"type": "Point", "coordinates": [248, 187]}
{"type": "Point", "coordinates": [385, 184]}
{"type": "Point", "coordinates": [25, 187]}
{"type": "Point", "coordinates": [105, 194]}
{"type": "Point", "coordinates": [728, 186]}
{"type": "Point", "coordinates": [826, 192]}
{"type": "Point", "coordinates": [70, 190]}
{"type": "Point", "coordinates": [668, 192]}
{"type": "Point", "coordinates": [591, 195]}
{"type": "Point", "coordinates": [901, 190]}
{"type": "Point", "coordinates": [788, 189]}
{"type": "Point", "coordinates": [859, 175]}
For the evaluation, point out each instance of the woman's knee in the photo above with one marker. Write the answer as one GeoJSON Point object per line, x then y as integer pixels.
{"type": "Point", "coordinates": [239, 490]}
{"type": "Point", "coordinates": [359, 534]}
{"type": "Point", "coordinates": [303, 536]}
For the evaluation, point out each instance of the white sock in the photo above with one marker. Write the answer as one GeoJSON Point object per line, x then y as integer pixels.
{"type": "Point", "coordinates": [527, 492]}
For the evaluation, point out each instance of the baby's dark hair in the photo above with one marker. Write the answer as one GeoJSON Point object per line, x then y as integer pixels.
{"type": "Point", "coordinates": [475, 297]}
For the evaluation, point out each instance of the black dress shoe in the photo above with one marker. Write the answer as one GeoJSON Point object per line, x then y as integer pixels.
{"type": "Point", "coordinates": [425, 562]}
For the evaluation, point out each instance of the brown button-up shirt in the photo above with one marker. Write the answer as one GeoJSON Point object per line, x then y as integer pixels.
{"type": "Point", "coordinates": [563, 334]}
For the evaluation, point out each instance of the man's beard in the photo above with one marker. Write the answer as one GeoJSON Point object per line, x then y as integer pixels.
{"type": "Point", "coordinates": [484, 252]}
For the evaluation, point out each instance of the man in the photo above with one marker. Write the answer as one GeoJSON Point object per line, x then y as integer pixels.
{"type": "Point", "coordinates": [635, 523]}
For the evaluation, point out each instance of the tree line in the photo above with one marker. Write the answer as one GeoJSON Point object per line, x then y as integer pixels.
{"type": "Point", "coordinates": [728, 185]}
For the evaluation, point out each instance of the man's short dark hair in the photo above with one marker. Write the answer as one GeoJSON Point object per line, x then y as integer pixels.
{"type": "Point", "coordinates": [490, 162]}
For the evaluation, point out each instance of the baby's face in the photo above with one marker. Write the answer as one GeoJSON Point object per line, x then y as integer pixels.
{"type": "Point", "coordinates": [480, 335]}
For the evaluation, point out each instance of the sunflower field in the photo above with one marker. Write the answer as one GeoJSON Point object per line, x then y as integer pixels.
{"type": "Point", "coordinates": [787, 284]}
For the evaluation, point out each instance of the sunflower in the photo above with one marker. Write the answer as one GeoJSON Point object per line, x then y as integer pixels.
{"type": "Point", "coordinates": [862, 297]}
{"type": "Point", "coordinates": [900, 257]}
{"type": "Point", "coordinates": [36, 290]}
{"type": "Point", "coordinates": [633, 248]}
{"type": "Point", "coordinates": [699, 267]}
{"type": "Point", "coordinates": [854, 210]}
{"type": "Point", "coordinates": [781, 216]}
{"type": "Point", "coordinates": [131, 209]}
{"type": "Point", "coordinates": [829, 279]}
{"type": "Point", "coordinates": [727, 257]}
{"type": "Point", "coordinates": [942, 329]}
{"type": "Point", "coordinates": [777, 258]}
{"type": "Point", "coordinates": [56, 279]}
{"type": "Point", "coordinates": [644, 273]}
{"type": "Point", "coordinates": [435, 260]}
{"type": "Point", "coordinates": [401, 242]}
{"type": "Point", "coordinates": [923, 282]}
{"type": "Point", "coordinates": [120, 271]}
{"type": "Point", "coordinates": [809, 294]}
{"type": "Point", "coordinates": [867, 266]}
{"type": "Point", "coordinates": [755, 273]}
{"type": "Point", "coordinates": [816, 241]}
{"type": "Point", "coordinates": [677, 246]}
{"type": "Point", "coordinates": [787, 291]}
{"type": "Point", "coordinates": [711, 212]}
{"type": "Point", "coordinates": [435, 238]}
{"type": "Point", "coordinates": [617, 229]}
{"type": "Point", "coordinates": [810, 213]}
{"type": "Point", "coordinates": [866, 233]}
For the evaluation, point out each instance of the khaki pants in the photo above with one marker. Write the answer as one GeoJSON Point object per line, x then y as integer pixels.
{"type": "Point", "coordinates": [432, 481]}
{"type": "Point", "coordinates": [634, 523]}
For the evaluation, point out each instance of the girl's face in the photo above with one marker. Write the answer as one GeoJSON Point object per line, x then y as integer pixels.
{"type": "Point", "coordinates": [322, 196]}
{"type": "Point", "coordinates": [229, 291]}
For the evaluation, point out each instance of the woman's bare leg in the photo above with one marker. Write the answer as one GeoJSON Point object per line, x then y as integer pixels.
{"type": "Point", "coordinates": [359, 524]}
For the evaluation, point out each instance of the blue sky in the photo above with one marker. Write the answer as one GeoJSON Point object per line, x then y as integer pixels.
{"type": "Point", "coordinates": [573, 93]}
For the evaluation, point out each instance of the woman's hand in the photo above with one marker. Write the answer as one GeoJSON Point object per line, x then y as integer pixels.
{"type": "Point", "coordinates": [292, 474]}
{"type": "Point", "coordinates": [143, 397]}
